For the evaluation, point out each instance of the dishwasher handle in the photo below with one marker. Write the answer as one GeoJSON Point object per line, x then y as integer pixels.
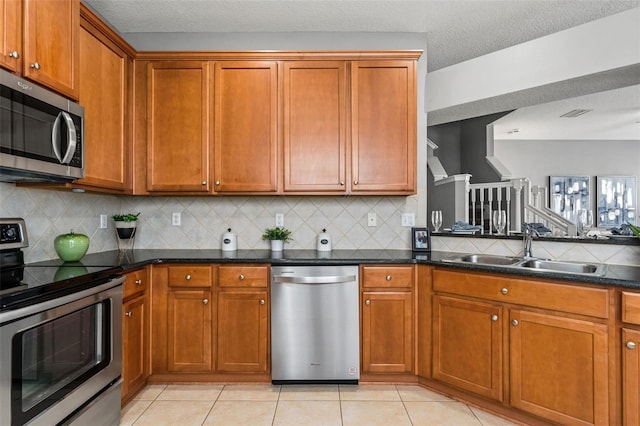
{"type": "Point", "coordinates": [314, 279]}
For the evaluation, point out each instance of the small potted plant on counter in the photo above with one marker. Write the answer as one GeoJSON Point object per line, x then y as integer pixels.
{"type": "Point", "coordinates": [278, 236]}
{"type": "Point", "coordinates": [635, 229]}
{"type": "Point", "coordinates": [125, 225]}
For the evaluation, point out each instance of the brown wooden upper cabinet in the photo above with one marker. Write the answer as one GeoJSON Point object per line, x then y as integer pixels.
{"type": "Point", "coordinates": [246, 126]}
{"type": "Point", "coordinates": [383, 127]}
{"type": "Point", "coordinates": [178, 120]}
{"type": "Point", "coordinates": [315, 139]}
{"type": "Point", "coordinates": [40, 40]}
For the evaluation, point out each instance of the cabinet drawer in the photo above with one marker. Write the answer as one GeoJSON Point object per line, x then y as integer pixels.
{"type": "Point", "coordinates": [135, 282]}
{"type": "Point", "coordinates": [631, 307]}
{"type": "Point", "coordinates": [567, 298]}
{"type": "Point", "coordinates": [190, 276]}
{"type": "Point", "coordinates": [387, 276]}
{"type": "Point", "coordinates": [243, 276]}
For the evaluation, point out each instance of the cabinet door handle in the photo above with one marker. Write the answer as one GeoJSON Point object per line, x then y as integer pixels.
{"type": "Point", "coordinates": [205, 301]}
{"type": "Point", "coordinates": [367, 302]}
{"type": "Point", "coordinates": [138, 282]}
{"type": "Point", "coordinates": [494, 317]}
{"type": "Point", "coordinates": [262, 301]}
{"type": "Point", "coordinates": [35, 66]}
{"type": "Point", "coordinates": [388, 277]}
{"type": "Point", "coordinates": [129, 314]}
{"type": "Point", "coordinates": [341, 182]}
{"type": "Point", "coordinates": [241, 277]}
{"type": "Point", "coordinates": [204, 182]}
{"type": "Point", "coordinates": [14, 55]}
{"type": "Point", "coordinates": [188, 277]}
{"type": "Point", "coordinates": [355, 182]}
{"type": "Point", "coordinates": [515, 322]}
{"type": "Point", "coordinates": [217, 183]}
{"type": "Point", "coordinates": [631, 345]}
{"type": "Point", "coordinates": [504, 291]}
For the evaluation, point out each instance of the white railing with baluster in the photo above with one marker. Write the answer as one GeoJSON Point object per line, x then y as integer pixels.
{"type": "Point", "coordinates": [515, 197]}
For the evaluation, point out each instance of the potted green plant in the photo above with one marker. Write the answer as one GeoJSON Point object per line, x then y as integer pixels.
{"type": "Point", "coordinates": [634, 229]}
{"type": "Point", "coordinates": [278, 236]}
{"type": "Point", "coordinates": [125, 225]}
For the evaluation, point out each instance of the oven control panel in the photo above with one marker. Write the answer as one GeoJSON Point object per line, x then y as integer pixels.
{"type": "Point", "coordinates": [13, 234]}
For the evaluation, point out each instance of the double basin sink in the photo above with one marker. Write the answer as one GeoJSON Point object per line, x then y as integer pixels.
{"type": "Point", "coordinates": [542, 265]}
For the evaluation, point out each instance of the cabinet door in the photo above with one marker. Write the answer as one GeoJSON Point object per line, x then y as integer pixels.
{"type": "Point", "coordinates": [631, 376]}
{"type": "Point", "coordinates": [246, 118]}
{"type": "Point", "coordinates": [242, 331]}
{"type": "Point", "coordinates": [51, 44]}
{"type": "Point", "coordinates": [104, 72]}
{"type": "Point", "coordinates": [383, 126]}
{"type": "Point", "coordinates": [189, 330]}
{"type": "Point", "coordinates": [467, 345]}
{"type": "Point", "coordinates": [133, 344]}
{"type": "Point", "coordinates": [11, 35]}
{"type": "Point", "coordinates": [314, 126]}
{"type": "Point", "coordinates": [387, 332]}
{"type": "Point", "coordinates": [178, 126]}
{"type": "Point", "coordinates": [559, 368]}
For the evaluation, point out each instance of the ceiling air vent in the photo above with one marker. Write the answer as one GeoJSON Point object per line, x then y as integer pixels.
{"type": "Point", "coordinates": [575, 113]}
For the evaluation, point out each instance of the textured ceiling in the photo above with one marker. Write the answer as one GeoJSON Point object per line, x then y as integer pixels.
{"type": "Point", "coordinates": [457, 30]}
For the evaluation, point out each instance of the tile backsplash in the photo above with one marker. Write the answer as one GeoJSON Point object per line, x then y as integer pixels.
{"type": "Point", "coordinates": [49, 213]}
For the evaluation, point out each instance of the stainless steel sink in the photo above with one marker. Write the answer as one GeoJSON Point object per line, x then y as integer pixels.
{"type": "Point", "coordinates": [566, 267]}
{"type": "Point", "coordinates": [486, 259]}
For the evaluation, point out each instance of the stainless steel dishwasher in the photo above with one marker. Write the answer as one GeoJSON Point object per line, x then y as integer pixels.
{"type": "Point", "coordinates": [315, 324]}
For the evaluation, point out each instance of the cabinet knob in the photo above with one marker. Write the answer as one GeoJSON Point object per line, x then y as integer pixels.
{"type": "Point", "coordinates": [631, 345]}
{"type": "Point", "coordinates": [217, 183]}
{"type": "Point", "coordinates": [188, 277]}
{"type": "Point", "coordinates": [205, 301]}
{"type": "Point", "coordinates": [138, 282]}
{"type": "Point", "coordinates": [204, 182]}
{"type": "Point", "coordinates": [262, 301]}
{"type": "Point", "coordinates": [515, 322]}
{"type": "Point", "coordinates": [504, 290]}
{"type": "Point", "coordinates": [341, 182]}
{"type": "Point", "coordinates": [129, 314]}
{"type": "Point", "coordinates": [355, 182]}
{"type": "Point", "coordinates": [367, 302]}
{"type": "Point", "coordinates": [14, 55]}
{"type": "Point", "coordinates": [35, 65]}
{"type": "Point", "coordinates": [494, 317]}
{"type": "Point", "coordinates": [388, 277]}
{"type": "Point", "coordinates": [241, 277]}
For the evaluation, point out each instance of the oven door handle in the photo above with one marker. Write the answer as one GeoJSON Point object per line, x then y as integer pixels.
{"type": "Point", "coordinates": [71, 137]}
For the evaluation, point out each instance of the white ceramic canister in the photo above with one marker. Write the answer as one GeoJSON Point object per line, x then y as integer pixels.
{"type": "Point", "coordinates": [229, 241]}
{"type": "Point", "coordinates": [324, 241]}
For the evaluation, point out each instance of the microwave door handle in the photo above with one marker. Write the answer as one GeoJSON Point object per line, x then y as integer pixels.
{"type": "Point", "coordinates": [55, 137]}
{"type": "Point", "coordinates": [71, 141]}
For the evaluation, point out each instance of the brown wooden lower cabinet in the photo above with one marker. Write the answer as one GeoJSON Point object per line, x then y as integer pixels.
{"type": "Point", "coordinates": [467, 345]}
{"type": "Point", "coordinates": [559, 367]}
{"type": "Point", "coordinates": [242, 331]}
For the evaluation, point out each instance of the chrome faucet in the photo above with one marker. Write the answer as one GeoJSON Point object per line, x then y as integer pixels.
{"type": "Point", "coordinates": [529, 232]}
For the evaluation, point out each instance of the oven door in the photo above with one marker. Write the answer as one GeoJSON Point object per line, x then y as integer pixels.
{"type": "Point", "coordinates": [60, 355]}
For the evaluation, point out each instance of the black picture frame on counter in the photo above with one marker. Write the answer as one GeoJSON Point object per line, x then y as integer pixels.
{"type": "Point", "coordinates": [421, 239]}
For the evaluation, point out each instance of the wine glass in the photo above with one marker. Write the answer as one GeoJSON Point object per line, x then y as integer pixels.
{"type": "Point", "coordinates": [584, 222]}
{"type": "Point", "coordinates": [499, 220]}
{"type": "Point", "coordinates": [436, 219]}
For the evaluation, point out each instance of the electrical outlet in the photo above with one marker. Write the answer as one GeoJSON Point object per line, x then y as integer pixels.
{"type": "Point", "coordinates": [103, 221]}
{"type": "Point", "coordinates": [372, 220]}
{"type": "Point", "coordinates": [408, 219]}
{"type": "Point", "coordinates": [279, 219]}
{"type": "Point", "coordinates": [176, 219]}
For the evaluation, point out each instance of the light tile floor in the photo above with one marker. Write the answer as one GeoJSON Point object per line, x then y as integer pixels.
{"type": "Point", "coordinates": [271, 405]}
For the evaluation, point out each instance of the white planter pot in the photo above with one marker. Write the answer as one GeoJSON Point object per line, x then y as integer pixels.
{"type": "Point", "coordinates": [125, 230]}
{"type": "Point", "coordinates": [277, 245]}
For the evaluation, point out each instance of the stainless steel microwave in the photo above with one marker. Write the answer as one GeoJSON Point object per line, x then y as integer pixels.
{"type": "Point", "coordinates": [41, 133]}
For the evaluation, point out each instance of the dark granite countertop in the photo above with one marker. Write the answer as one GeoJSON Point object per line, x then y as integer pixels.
{"type": "Point", "coordinates": [616, 275]}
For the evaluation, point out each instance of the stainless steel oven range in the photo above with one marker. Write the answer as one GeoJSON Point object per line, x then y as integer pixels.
{"type": "Point", "coordinates": [60, 340]}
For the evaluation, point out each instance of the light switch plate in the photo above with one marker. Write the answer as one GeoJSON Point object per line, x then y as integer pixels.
{"type": "Point", "coordinates": [103, 221]}
{"type": "Point", "coordinates": [279, 219]}
{"type": "Point", "coordinates": [408, 219]}
{"type": "Point", "coordinates": [371, 219]}
{"type": "Point", "coordinates": [176, 219]}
